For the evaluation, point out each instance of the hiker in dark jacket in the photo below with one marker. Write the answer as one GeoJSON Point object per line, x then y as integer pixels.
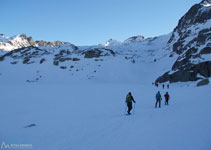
{"type": "Point", "coordinates": [166, 98]}
{"type": "Point", "coordinates": [129, 100]}
{"type": "Point", "coordinates": [168, 86]}
{"type": "Point", "coordinates": [158, 99]}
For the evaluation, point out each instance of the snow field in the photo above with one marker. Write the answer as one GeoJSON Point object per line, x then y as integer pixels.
{"type": "Point", "coordinates": [91, 116]}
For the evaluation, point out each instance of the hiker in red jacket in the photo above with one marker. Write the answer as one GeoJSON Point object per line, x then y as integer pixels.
{"type": "Point", "coordinates": [166, 98]}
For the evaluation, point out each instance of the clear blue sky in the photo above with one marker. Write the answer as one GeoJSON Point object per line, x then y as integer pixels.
{"type": "Point", "coordinates": [88, 22]}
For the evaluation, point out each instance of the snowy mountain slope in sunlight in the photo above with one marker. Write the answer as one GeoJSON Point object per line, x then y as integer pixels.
{"type": "Point", "coordinates": [87, 63]}
{"type": "Point", "coordinates": [190, 40]}
{"type": "Point", "coordinates": [15, 42]}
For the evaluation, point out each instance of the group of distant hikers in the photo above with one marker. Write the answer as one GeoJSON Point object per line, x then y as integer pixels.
{"type": "Point", "coordinates": [157, 85]}
{"type": "Point", "coordinates": [130, 100]}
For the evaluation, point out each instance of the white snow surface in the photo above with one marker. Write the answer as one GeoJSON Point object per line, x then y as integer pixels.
{"type": "Point", "coordinates": [91, 116]}
{"type": "Point", "coordinates": [111, 42]}
{"type": "Point", "coordinates": [83, 108]}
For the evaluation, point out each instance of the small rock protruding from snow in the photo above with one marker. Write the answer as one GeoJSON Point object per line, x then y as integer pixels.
{"type": "Point", "coordinates": [138, 38]}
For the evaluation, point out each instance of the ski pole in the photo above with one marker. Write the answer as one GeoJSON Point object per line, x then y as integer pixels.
{"type": "Point", "coordinates": [134, 108]}
{"type": "Point", "coordinates": [125, 108]}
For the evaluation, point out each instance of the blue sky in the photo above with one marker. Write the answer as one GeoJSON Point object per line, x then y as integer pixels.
{"type": "Point", "coordinates": [89, 22]}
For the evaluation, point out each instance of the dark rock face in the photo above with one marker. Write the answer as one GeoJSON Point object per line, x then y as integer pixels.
{"type": "Point", "coordinates": [31, 41]}
{"type": "Point", "coordinates": [76, 59]}
{"type": "Point", "coordinates": [206, 1]}
{"type": "Point", "coordinates": [42, 60]}
{"type": "Point", "coordinates": [96, 53]}
{"type": "Point", "coordinates": [203, 82]}
{"type": "Point", "coordinates": [63, 67]}
{"type": "Point", "coordinates": [26, 60]}
{"type": "Point", "coordinates": [191, 41]}
{"type": "Point", "coordinates": [62, 56]}
{"type": "Point", "coordinates": [188, 74]}
{"type": "Point", "coordinates": [196, 15]}
{"type": "Point", "coordinates": [45, 43]}
{"type": "Point", "coordinates": [25, 54]}
{"type": "Point", "coordinates": [135, 38]}
{"type": "Point", "coordinates": [206, 50]}
{"type": "Point", "coordinates": [56, 63]}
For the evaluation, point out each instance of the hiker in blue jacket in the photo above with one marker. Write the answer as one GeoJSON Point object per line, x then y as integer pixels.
{"type": "Point", "coordinates": [158, 99]}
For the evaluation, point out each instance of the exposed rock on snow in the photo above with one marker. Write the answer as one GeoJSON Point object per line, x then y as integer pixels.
{"type": "Point", "coordinates": [25, 54]}
{"type": "Point", "coordinates": [31, 125]}
{"type": "Point", "coordinates": [135, 39]}
{"type": "Point", "coordinates": [21, 41]}
{"type": "Point", "coordinates": [203, 82]}
{"type": "Point", "coordinates": [191, 40]}
{"type": "Point", "coordinates": [95, 53]}
{"type": "Point", "coordinates": [187, 49]}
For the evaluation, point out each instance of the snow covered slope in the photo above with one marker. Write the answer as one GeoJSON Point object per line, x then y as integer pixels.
{"type": "Point", "coordinates": [90, 116]}
{"type": "Point", "coordinates": [55, 95]}
{"type": "Point", "coordinates": [95, 62]}
{"type": "Point", "coordinates": [191, 41]}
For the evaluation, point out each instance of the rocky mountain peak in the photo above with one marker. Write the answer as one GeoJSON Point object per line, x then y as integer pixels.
{"type": "Point", "coordinates": [23, 36]}
{"type": "Point", "coordinates": [206, 3]}
{"type": "Point", "coordinates": [198, 14]}
{"type": "Point", "coordinates": [21, 41]}
{"type": "Point", "coordinates": [190, 40]}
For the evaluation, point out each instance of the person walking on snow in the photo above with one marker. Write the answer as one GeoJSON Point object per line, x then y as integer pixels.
{"type": "Point", "coordinates": [129, 101]}
{"type": "Point", "coordinates": [168, 86]}
{"type": "Point", "coordinates": [166, 98]}
{"type": "Point", "coordinates": [158, 99]}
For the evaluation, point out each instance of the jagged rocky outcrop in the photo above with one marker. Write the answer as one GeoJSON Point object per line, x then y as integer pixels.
{"type": "Point", "coordinates": [22, 41]}
{"type": "Point", "coordinates": [63, 55]}
{"type": "Point", "coordinates": [189, 44]}
{"type": "Point", "coordinates": [15, 42]}
{"type": "Point", "coordinates": [25, 55]}
{"type": "Point", "coordinates": [138, 38]}
{"type": "Point", "coordinates": [51, 44]}
{"type": "Point", "coordinates": [191, 41]}
{"type": "Point", "coordinates": [98, 52]}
